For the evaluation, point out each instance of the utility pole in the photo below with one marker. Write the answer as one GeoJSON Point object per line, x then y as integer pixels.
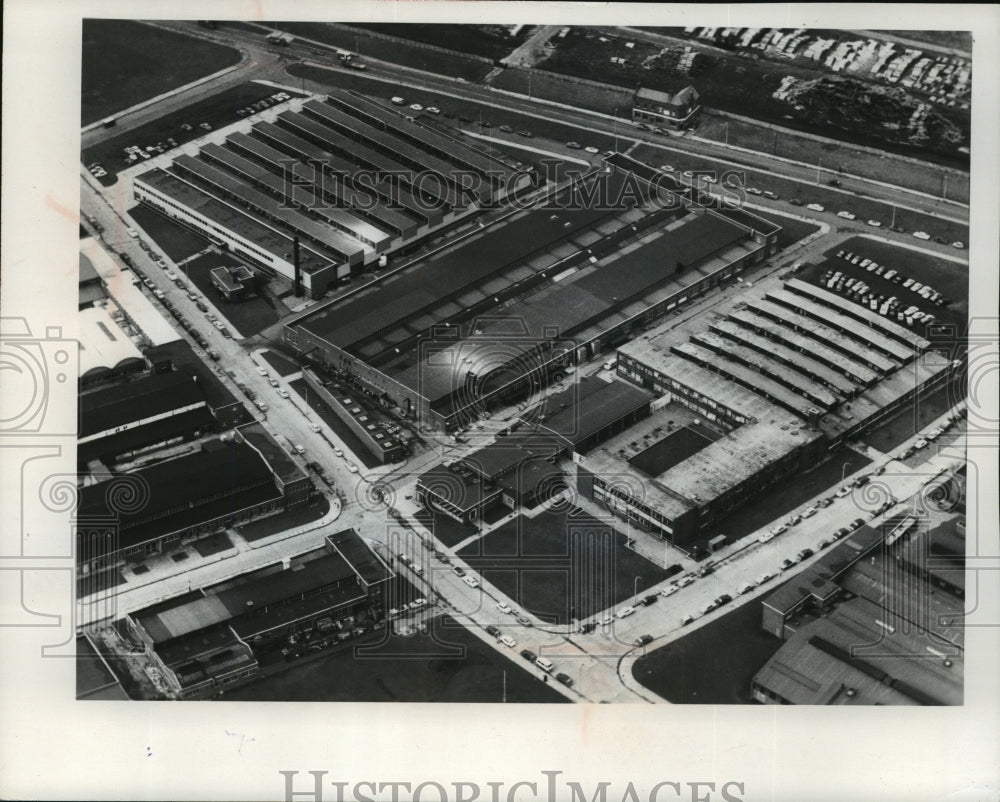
{"type": "Point", "coordinates": [944, 188]}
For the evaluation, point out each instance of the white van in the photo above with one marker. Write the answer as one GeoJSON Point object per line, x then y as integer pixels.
{"type": "Point", "coordinates": [610, 364]}
{"type": "Point", "coordinates": [545, 664]}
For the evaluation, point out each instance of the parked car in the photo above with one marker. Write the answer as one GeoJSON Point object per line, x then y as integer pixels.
{"type": "Point", "coordinates": [642, 640]}
{"type": "Point", "coordinates": [505, 608]}
{"type": "Point", "coordinates": [491, 630]}
{"type": "Point", "coordinates": [508, 641]}
{"type": "Point", "coordinates": [815, 207]}
{"type": "Point", "coordinates": [529, 655]}
{"type": "Point", "coordinates": [921, 235]}
{"type": "Point", "coordinates": [565, 679]}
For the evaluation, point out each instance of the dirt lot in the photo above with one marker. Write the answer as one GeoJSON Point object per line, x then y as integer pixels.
{"type": "Point", "coordinates": [125, 62]}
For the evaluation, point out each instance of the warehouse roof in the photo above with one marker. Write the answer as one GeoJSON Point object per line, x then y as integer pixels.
{"type": "Point", "coordinates": [308, 152]}
{"type": "Point", "coordinates": [351, 198]}
{"type": "Point", "coordinates": [322, 236]}
{"type": "Point", "coordinates": [229, 218]}
{"type": "Point", "coordinates": [595, 411]}
{"type": "Point", "coordinates": [847, 350]}
{"type": "Point", "coordinates": [103, 344]}
{"type": "Point", "coordinates": [151, 395]}
{"type": "Point", "coordinates": [862, 313]}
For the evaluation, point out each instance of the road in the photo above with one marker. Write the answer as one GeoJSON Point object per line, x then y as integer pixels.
{"type": "Point", "coordinates": [599, 662]}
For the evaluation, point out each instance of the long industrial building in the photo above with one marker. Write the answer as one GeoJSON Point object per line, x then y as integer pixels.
{"type": "Point", "coordinates": [327, 188]}
{"type": "Point", "coordinates": [788, 375]}
{"type": "Point", "coordinates": [212, 638]}
{"type": "Point", "coordinates": [486, 322]}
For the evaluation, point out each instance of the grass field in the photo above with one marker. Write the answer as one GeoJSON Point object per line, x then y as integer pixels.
{"type": "Point", "coordinates": [492, 42]}
{"type": "Point", "coordinates": [125, 62]}
{"type": "Point", "coordinates": [449, 664]}
{"type": "Point", "coordinates": [396, 51]}
{"type": "Point", "coordinates": [606, 99]}
{"type": "Point", "coordinates": [561, 565]}
{"type": "Point", "coordinates": [927, 178]}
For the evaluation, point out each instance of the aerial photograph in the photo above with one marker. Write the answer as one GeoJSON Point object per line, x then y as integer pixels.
{"type": "Point", "coordinates": [522, 363]}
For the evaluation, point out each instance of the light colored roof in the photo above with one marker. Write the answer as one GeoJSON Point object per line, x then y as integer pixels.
{"type": "Point", "coordinates": [103, 344]}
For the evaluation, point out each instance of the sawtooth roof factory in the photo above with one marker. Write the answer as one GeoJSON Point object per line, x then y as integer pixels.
{"type": "Point", "coordinates": [789, 375]}
{"type": "Point", "coordinates": [282, 195]}
{"type": "Point", "coordinates": [488, 321]}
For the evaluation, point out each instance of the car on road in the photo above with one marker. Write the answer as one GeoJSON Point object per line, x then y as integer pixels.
{"type": "Point", "coordinates": [754, 191]}
{"type": "Point", "coordinates": [526, 134]}
{"type": "Point", "coordinates": [262, 371]}
{"type": "Point", "coordinates": [725, 598]}
{"type": "Point", "coordinates": [875, 223]}
{"type": "Point", "coordinates": [826, 502]}
{"type": "Point", "coordinates": [846, 215]}
{"type": "Point", "coordinates": [416, 107]}
{"type": "Point", "coordinates": [687, 620]}
{"type": "Point", "coordinates": [523, 620]}
{"type": "Point", "coordinates": [642, 640]}
{"type": "Point", "coordinates": [823, 543]}
{"type": "Point", "coordinates": [507, 640]}
{"type": "Point", "coordinates": [573, 145]}
{"type": "Point", "coordinates": [767, 576]}
{"type": "Point", "coordinates": [591, 149]}
{"type": "Point", "coordinates": [132, 232]}
{"type": "Point", "coordinates": [669, 590]}
{"type": "Point", "coordinates": [352, 468]}
{"type": "Point", "coordinates": [337, 451]}
{"type": "Point", "coordinates": [283, 394]}
{"type": "Point", "coordinates": [652, 598]}
{"type": "Point", "coordinates": [492, 630]}
{"type": "Point", "coordinates": [565, 679]}
{"type": "Point", "coordinates": [684, 581]}
{"type": "Point", "coordinates": [746, 587]}
{"type": "Point", "coordinates": [472, 583]}
{"type": "Point", "coordinates": [921, 235]}
{"type": "Point", "coordinates": [770, 195]}
{"type": "Point", "coordinates": [765, 538]}
{"type": "Point", "coordinates": [625, 612]}
{"type": "Point", "coordinates": [815, 207]}
{"type": "Point", "coordinates": [272, 381]}
{"type": "Point", "coordinates": [584, 629]}
{"type": "Point", "coordinates": [958, 244]}
{"type": "Point", "coordinates": [261, 406]}
{"type": "Point", "coordinates": [398, 100]}
{"type": "Point", "coordinates": [529, 655]}
{"type": "Point", "coordinates": [795, 201]}
{"type": "Point", "coordinates": [315, 427]}
{"type": "Point", "coordinates": [505, 608]}
{"type": "Point", "coordinates": [506, 129]}
{"type": "Point", "coordinates": [833, 182]}
{"type": "Point", "coordinates": [787, 563]}
{"type": "Point", "coordinates": [458, 570]}
{"type": "Point", "coordinates": [809, 512]}
{"type": "Point", "coordinates": [805, 554]}
{"type": "Point", "coordinates": [857, 523]}
{"type": "Point", "coordinates": [433, 110]}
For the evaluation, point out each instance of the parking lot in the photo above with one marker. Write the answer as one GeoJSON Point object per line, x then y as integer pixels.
{"type": "Point", "coordinates": [174, 240]}
{"type": "Point", "coordinates": [174, 129]}
{"type": "Point", "coordinates": [951, 279]}
{"type": "Point", "coordinates": [562, 564]}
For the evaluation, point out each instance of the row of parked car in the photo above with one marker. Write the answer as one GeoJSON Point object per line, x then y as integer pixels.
{"type": "Point", "coordinates": [264, 103]}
